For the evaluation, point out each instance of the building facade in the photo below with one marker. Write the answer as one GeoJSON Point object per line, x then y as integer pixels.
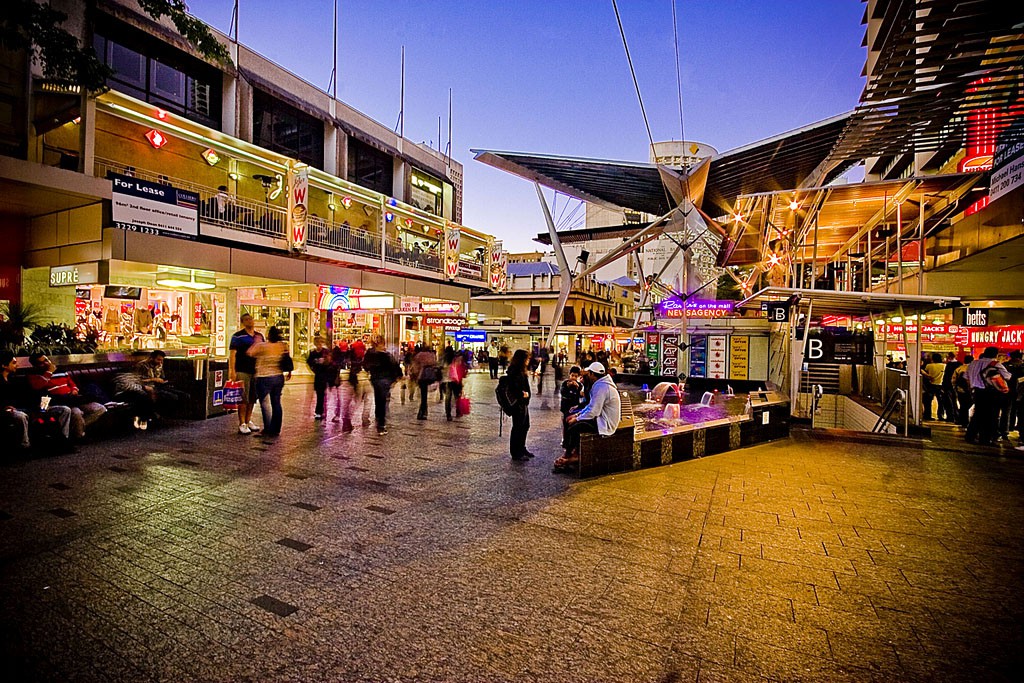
{"type": "Point", "coordinates": [190, 192]}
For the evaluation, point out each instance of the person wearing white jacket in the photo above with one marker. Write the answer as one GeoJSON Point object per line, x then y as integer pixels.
{"type": "Point", "coordinates": [601, 415]}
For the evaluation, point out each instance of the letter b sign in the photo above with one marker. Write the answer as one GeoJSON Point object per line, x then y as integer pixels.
{"type": "Point", "coordinates": [778, 312]}
{"type": "Point", "coordinates": [815, 350]}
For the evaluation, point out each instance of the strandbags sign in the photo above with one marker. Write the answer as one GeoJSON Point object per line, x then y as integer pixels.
{"type": "Point", "coordinates": [154, 209]}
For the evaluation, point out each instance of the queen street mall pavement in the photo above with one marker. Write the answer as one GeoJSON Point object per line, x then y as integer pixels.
{"type": "Point", "coordinates": [193, 553]}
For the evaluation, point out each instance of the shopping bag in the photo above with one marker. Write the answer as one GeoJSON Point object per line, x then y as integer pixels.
{"type": "Point", "coordinates": [463, 406]}
{"type": "Point", "coordinates": [233, 398]}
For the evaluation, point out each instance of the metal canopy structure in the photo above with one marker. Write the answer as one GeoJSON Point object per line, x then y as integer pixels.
{"type": "Point", "coordinates": [858, 304]}
{"type": "Point", "coordinates": [785, 160]}
{"type": "Point", "coordinates": [940, 64]}
{"type": "Point", "coordinates": [837, 217]}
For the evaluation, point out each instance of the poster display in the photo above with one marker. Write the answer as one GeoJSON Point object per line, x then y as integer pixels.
{"type": "Point", "coordinates": [670, 354]}
{"type": "Point", "coordinates": [698, 356]}
{"type": "Point", "coordinates": [718, 355]}
{"type": "Point", "coordinates": [653, 352]}
{"type": "Point", "coordinates": [739, 357]}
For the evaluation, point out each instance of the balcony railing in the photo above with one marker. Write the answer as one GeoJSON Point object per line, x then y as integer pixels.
{"type": "Point", "coordinates": [342, 237]}
{"type": "Point", "coordinates": [396, 252]}
{"type": "Point", "coordinates": [261, 218]}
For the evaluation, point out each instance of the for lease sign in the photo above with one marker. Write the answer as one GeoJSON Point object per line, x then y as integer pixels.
{"type": "Point", "coordinates": [142, 206]}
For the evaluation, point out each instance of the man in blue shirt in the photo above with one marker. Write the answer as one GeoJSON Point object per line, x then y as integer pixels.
{"type": "Point", "coordinates": [241, 368]}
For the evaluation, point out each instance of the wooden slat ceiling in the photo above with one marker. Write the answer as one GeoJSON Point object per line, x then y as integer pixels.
{"type": "Point", "coordinates": [938, 61]}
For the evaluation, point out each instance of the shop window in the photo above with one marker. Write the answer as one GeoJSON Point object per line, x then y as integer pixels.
{"type": "Point", "coordinates": [285, 129]}
{"type": "Point", "coordinates": [534, 318]}
{"type": "Point", "coordinates": [370, 167]}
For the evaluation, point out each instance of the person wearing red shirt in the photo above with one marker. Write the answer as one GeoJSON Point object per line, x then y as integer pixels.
{"type": "Point", "coordinates": [62, 390]}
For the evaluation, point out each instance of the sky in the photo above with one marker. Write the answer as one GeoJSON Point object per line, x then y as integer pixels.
{"type": "Point", "coordinates": [551, 76]}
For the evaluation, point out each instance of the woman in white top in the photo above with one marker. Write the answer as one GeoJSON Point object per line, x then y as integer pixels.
{"type": "Point", "coordinates": [273, 367]}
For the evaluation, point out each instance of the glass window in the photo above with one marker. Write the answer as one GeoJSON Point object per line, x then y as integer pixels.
{"type": "Point", "coordinates": [287, 130]}
{"type": "Point", "coordinates": [167, 82]}
{"type": "Point", "coordinates": [370, 167]}
{"type": "Point", "coordinates": [129, 66]}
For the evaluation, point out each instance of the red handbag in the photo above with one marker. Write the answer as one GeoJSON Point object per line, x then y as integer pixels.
{"type": "Point", "coordinates": [462, 407]}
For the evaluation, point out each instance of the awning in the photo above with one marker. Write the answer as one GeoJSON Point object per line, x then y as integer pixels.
{"type": "Point", "coordinates": [841, 213]}
{"type": "Point", "coordinates": [828, 302]}
{"type": "Point", "coordinates": [785, 160]}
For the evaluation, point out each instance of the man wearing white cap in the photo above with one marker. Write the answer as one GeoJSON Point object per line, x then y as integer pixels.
{"type": "Point", "coordinates": [601, 415]}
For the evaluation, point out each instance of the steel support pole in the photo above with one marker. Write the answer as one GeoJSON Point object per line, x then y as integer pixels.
{"type": "Point", "coordinates": [899, 243]}
{"type": "Point", "coordinates": [814, 256]}
{"type": "Point", "coordinates": [920, 247]}
{"type": "Point", "coordinates": [565, 285]}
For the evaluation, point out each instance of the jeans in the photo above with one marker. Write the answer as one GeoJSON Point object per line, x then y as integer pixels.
{"type": "Point", "coordinates": [492, 365]}
{"type": "Point", "coordinates": [984, 425]}
{"type": "Point", "coordinates": [520, 427]}
{"type": "Point", "coordinates": [933, 391]}
{"type": "Point", "coordinates": [320, 389]}
{"type": "Point", "coordinates": [572, 434]}
{"type": "Point", "coordinates": [270, 388]}
{"type": "Point", "coordinates": [381, 397]}
{"type": "Point", "coordinates": [61, 413]}
{"type": "Point", "coordinates": [964, 403]}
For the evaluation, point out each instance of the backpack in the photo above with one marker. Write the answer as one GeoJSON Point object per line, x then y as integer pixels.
{"type": "Point", "coordinates": [994, 379]}
{"type": "Point", "coordinates": [501, 392]}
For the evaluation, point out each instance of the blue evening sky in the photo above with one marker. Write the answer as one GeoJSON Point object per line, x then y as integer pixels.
{"type": "Point", "coordinates": [551, 76]}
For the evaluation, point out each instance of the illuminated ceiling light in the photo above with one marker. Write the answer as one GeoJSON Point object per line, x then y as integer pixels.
{"type": "Point", "coordinates": [897, 319]}
{"type": "Point", "coordinates": [156, 138]}
{"type": "Point", "coordinates": [794, 205]}
{"type": "Point", "coordinates": [161, 114]}
{"type": "Point", "coordinates": [211, 157]}
{"type": "Point", "coordinates": [737, 217]}
{"type": "Point", "coordinates": [879, 322]}
{"type": "Point", "coordinates": [77, 120]}
{"type": "Point", "coordinates": [912, 317]}
{"type": "Point", "coordinates": [330, 202]}
{"type": "Point", "coordinates": [346, 202]}
{"type": "Point", "coordinates": [233, 175]}
{"type": "Point", "coordinates": [938, 321]}
{"type": "Point", "coordinates": [991, 304]}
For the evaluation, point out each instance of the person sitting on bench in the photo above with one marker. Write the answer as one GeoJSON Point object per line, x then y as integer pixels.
{"type": "Point", "coordinates": [62, 390]}
{"type": "Point", "coordinates": [601, 415]}
{"type": "Point", "coordinates": [15, 409]}
{"type": "Point", "coordinates": [164, 396]}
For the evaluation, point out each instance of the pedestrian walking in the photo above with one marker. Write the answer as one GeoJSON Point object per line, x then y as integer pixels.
{"type": "Point", "coordinates": [425, 372]}
{"type": "Point", "coordinates": [356, 389]}
{"type": "Point", "coordinates": [457, 370]}
{"type": "Point", "coordinates": [273, 368]}
{"type": "Point", "coordinates": [384, 371]}
{"type": "Point", "coordinates": [242, 368]}
{"type": "Point", "coordinates": [319, 361]}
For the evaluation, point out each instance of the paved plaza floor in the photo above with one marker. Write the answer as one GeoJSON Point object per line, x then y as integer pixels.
{"type": "Point", "coordinates": [192, 553]}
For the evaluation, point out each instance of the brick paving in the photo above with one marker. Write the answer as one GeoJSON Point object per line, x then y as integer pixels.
{"type": "Point", "coordinates": [191, 553]}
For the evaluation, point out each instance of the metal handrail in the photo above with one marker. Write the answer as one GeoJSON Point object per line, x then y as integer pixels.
{"type": "Point", "coordinates": [396, 252]}
{"type": "Point", "coordinates": [343, 237]}
{"type": "Point", "coordinates": [897, 400]}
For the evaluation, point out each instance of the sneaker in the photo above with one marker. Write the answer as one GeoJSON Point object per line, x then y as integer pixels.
{"type": "Point", "coordinates": [143, 425]}
{"type": "Point", "coordinates": [136, 422]}
{"type": "Point", "coordinates": [253, 427]}
{"type": "Point", "coordinates": [528, 454]}
{"type": "Point", "coordinates": [244, 429]}
{"type": "Point", "coordinates": [318, 416]}
{"type": "Point", "coordinates": [382, 430]}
